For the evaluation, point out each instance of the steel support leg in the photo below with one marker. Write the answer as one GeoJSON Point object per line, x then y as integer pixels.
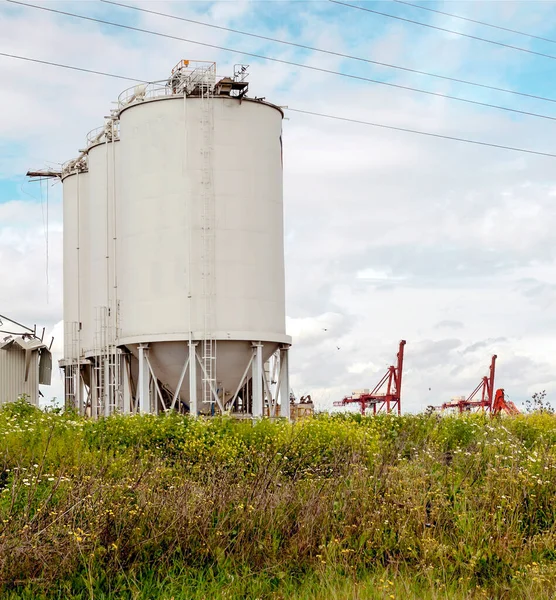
{"type": "Point", "coordinates": [81, 407]}
{"type": "Point", "coordinates": [193, 403]}
{"type": "Point", "coordinates": [126, 383]}
{"type": "Point", "coordinates": [77, 386]}
{"type": "Point", "coordinates": [106, 391]}
{"type": "Point", "coordinates": [94, 395]}
{"type": "Point", "coordinates": [258, 380]}
{"type": "Point", "coordinates": [144, 381]}
{"type": "Point", "coordinates": [284, 383]}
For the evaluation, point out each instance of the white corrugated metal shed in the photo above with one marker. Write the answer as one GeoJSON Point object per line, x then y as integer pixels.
{"type": "Point", "coordinates": [25, 362]}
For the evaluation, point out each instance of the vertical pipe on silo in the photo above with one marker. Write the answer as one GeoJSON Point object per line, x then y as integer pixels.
{"type": "Point", "coordinates": [118, 392]}
{"type": "Point", "coordinates": [78, 375]}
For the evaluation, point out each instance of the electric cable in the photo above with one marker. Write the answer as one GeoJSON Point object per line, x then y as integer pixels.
{"type": "Point", "coordinates": [3, 317]}
{"type": "Point", "coordinates": [287, 62]}
{"type": "Point", "coordinates": [467, 35]}
{"type": "Point", "coordinates": [331, 52]}
{"type": "Point", "coordinates": [53, 64]}
{"type": "Point", "coordinates": [427, 133]}
{"type": "Point", "coordinates": [381, 125]}
{"type": "Point", "coordinates": [440, 12]}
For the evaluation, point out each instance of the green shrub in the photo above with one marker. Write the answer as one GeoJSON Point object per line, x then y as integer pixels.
{"type": "Point", "coordinates": [89, 509]}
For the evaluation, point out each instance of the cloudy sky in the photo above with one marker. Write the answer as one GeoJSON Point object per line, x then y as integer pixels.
{"type": "Point", "coordinates": [389, 235]}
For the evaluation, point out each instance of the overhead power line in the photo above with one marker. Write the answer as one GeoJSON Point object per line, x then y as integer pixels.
{"type": "Point", "coordinates": [2, 318]}
{"type": "Point", "coordinates": [306, 112]}
{"type": "Point", "coordinates": [329, 52]}
{"type": "Point", "coordinates": [54, 64]}
{"type": "Point", "coordinates": [440, 12]}
{"type": "Point", "coordinates": [467, 35]}
{"type": "Point", "coordinates": [416, 131]}
{"type": "Point", "coordinates": [287, 62]}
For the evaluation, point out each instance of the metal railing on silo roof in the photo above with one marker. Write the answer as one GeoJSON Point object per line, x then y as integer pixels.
{"type": "Point", "coordinates": [99, 134]}
{"type": "Point", "coordinates": [202, 74]}
{"type": "Point", "coordinates": [75, 165]}
{"type": "Point", "coordinates": [142, 92]}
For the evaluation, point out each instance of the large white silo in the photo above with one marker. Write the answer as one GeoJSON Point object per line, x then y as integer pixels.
{"type": "Point", "coordinates": [200, 242]}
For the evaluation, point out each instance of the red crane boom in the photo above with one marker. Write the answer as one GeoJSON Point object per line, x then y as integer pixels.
{"type": "Point", "coordinates": [489, 401]}
{"type": "Point", "coordinates": [500, 404]}
{"type": "Point", "coordinates": [389, 400]}
{"type": "Point", "coordinates": [471, 403]}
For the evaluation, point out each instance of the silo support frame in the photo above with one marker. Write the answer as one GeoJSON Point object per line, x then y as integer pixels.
{"type": "Point", "coordinates": [281, 392]}
{"type": "Point", "coordinates": [242, 381]}
{"type": "Point", "coordinates": [106, 391]}
{"type": "Point", "coordinates": [258, 376]}
{"type": "Point", "coordinates": [270, 399]}
{"type": "Point", "coordinates": [269, 391]}
{"type": "Point", "coordinates": [127, 389]}
{"type": "Point", "coordinates": [76, 392]}
{"type": "Point", "coordinates": [144, 400]}
{"type": "Point", "coordinates": [264, 401]}
{"type": "Point", "coordinates": [284, 383]}
{"type": "Point", "coordinates": [189, 365]}
{"type": "Point", "coordinates": [180, 382]}
{"type": "Point", "coordinates": [147, 404]}
{"type": "Point", "coordinates": [193, 403]}
{"type": "Point", "coordinates": [94, 393]}
{"type": "Point", "coordinates": [157, 388]}
{"type": "Point", "coordinates": [86, 390]}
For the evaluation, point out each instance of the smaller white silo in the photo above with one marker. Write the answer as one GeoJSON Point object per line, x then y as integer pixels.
{"type": "Point", "coordinates": [103, 156]}
{"type": "Point", "coordinates": [76, 248]}
{"type": "Point", "coordinates": [102, 353]}
{"type": "Point", "coordinates": [71, 264]}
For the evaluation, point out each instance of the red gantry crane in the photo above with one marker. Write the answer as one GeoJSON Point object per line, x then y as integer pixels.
{"type": "Point", "coordinates": [483, 398]}
{"type": "Point", "coordinates": [380, 399]}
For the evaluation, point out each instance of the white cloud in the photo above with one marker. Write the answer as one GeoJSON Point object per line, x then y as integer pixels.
{"type": "Point", "coordinates": [362, 367]}
{"type": "Point", "coordinates": [389, 235]}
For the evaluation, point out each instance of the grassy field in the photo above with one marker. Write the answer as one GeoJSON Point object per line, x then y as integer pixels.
{"type": "Point", "coordinates": [330, 508]}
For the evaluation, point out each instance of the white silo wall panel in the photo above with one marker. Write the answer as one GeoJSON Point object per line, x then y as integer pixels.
{"type": "Point", "coordinates": [161, 197]}
{"type": "Point", "coordinates": [153, 237]}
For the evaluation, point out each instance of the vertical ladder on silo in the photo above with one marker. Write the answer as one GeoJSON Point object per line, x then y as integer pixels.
{"type": "Point", "coordinates": [116, 358]}
{"type": "Point", "coordinates": [208, 235]}
{"type": "Point", "coordinates": [100, 397]}
{"type": "Point", "coordinates": [97, 386]}
{"type": "Point", "coordinates": [96, 399]}
{"type": "Point", "coordinates": [111, 384]}
{"type": "Point", "coordinates": [105, 368]}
